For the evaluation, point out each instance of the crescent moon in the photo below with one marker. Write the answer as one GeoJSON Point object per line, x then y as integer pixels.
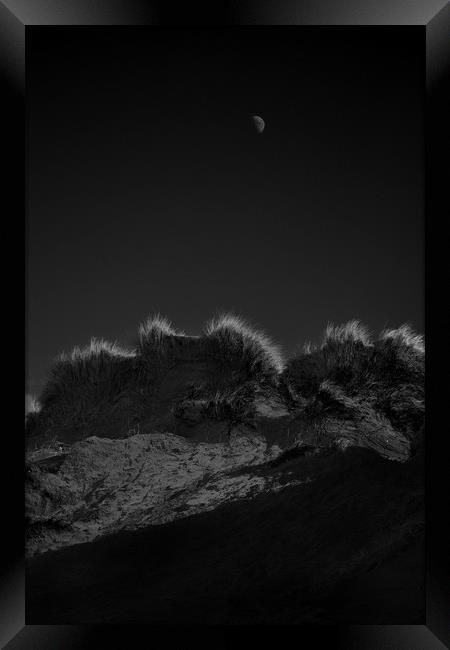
{"type": "Point", "coordinates": [259, 123]}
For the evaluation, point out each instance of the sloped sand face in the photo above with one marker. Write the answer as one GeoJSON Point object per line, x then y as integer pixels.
{"type": "Point", "coordinates": [99, 486]}
{"type": "Point", "coordinates": [103, 485]}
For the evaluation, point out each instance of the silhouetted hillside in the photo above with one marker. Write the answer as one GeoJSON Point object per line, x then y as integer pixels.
{"type": "Point", "coordinates": [206, 479]}
{"type": "Point", "coordinates": [170, 380]}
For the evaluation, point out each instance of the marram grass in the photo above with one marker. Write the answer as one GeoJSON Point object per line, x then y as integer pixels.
{"type": "Point", "coordinates": [237, 343]}
{"type": "Point", "coordinates": [97, 382]}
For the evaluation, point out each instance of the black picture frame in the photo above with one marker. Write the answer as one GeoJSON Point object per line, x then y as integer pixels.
{"type": "Point", "coordinates": [17, 19]}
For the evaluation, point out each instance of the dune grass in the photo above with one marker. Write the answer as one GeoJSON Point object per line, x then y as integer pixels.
{"type": "Point", "coordinates": [155, 335]}
{"type": "Point", "coordinates": [350, 357]}
{"type": "Point", "coordinates": [102, 382]}
{"type": "Point", "coordinates": [32, 410]}
{"type": "Point", "coordinates": [91, 384]}
{"type": "Point", "coordinates": [32, 404]}
{"type": "Point", "coordinates": [351, 332]}
{"type": "Point", "coordinates": [405, 337]}
{"type": "Point", "coordinates": [341, 357]}
{"type": "Point", "coordinates": [234, 406]}
{"type": "Point", "coordinates": [82, 383]}
{"type": "Point", "coordinates": [386, 374]}
{"type": "Point", "coordinates": [245, 351]}
{"type": "Point", "coordinates": [98, 363]}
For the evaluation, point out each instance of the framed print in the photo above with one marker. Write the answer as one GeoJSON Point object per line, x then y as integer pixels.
{"type": "Point", "coordinates": [232, 389]}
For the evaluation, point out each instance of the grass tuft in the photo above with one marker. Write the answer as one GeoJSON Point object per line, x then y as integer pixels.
{"type": "Point", "coordinates": [96, 349]}
{"type": "Point", "coordinates": [351, 332]}
{"type": "Point", "coordinates": [404, 336]}
{"type": "Point", "coordinates": [386, 375]}
{"type": "Point", "coordinates": [154, 335]}
{"type": "Point", "coordinates": [32, 410]}
{"type": "Point", "coordinates": [100, 364]}
{"type": "Point", "coordinates": [309, 347]}
{"type": "Point", "coordinates": [248, 352]}
{"type": "Point", "coordinates": [340, 358]}
{"type": "Point", "coordinates": [32, 404]}
{"type": "Point", "coordinates": [235, 407]}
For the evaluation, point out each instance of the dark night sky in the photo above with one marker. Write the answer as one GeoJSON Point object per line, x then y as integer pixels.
{"type": "Point", "coordinates": [149, 189]}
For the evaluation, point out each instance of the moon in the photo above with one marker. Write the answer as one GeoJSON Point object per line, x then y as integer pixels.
{"type": "Point", "coordinates": [259, 123]}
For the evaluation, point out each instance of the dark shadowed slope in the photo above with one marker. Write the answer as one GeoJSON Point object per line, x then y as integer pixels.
{"type": "Point", "coordinates": [344, 547]}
